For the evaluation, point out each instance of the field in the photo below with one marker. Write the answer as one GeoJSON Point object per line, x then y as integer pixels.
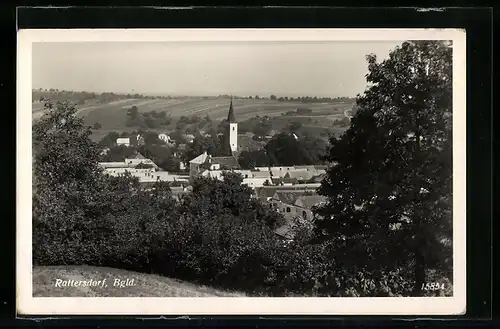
{"type": "Point", "coordinates": [146, 285]}
{"type": "Point", "coordinates": [112, 116]}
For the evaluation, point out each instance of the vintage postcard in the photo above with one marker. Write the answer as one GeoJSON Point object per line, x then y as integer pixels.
{"type": "Point", "coordinates": [241, 171]}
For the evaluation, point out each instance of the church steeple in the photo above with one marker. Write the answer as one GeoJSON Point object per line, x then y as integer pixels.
{"type": "Point", "coordinates": [230, 117]}
{"type": "Point", "coordinates": [233, 129]}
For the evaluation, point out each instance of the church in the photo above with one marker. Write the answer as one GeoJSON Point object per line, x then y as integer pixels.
{"type": "Point", "coordinates": [233, 129]}
{"type": "Point", "coordinates": [229, 162]}
{"type": "Point", "coordinates": [238, 142]}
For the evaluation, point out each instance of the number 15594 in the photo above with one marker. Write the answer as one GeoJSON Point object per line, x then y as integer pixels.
{"type": "Point", "coordinates": [432, 286]}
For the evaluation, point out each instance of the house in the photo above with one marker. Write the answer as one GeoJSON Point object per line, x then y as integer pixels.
{"type": "Point", "coordinates": [321, 167]}
{"type": "Point", "coordinates": [137, 140]}
{"type": "Point", "coordinates": [206, 162]}
{"type": "Point", "coordinates": [261, 174]}
{"type": "Point", "coordinates": [306, 167]}
{"type": "Point", "coordinates": [226, 162]}
{"type": "Point", "coordinates": [286, 181]}
{"type": "Point", "coordinates": [125, 141]}
{"type": "Point", "coordinates": [244, 173]}
{"type": "Point", "coordinates": [254, 182]}
{"type": "Point", "coordinates": [317, 178]}
{"type": "Point", "coordinates": [138, 159]}
{"type": "Point", "coordinates": [266, 192]}
{"type": "Point", "coordinates": [262, 168]}
{"type": "Point", "coordinates": [189, 138]}
{"type": "Point", "coordinates": [296, 207]}
{"type": "Point", "coordinates": [132, 171]}
{"type": "Point", "coordinates": [214, 174]}
{"type": "Point", "coordinates": [105, 151]}
{"type": "Point", "coordinates": [165, 138]}
{"type": "Point", "coordinates": [110, 165]}
{"type": "Point", "coordinates": [284, 200]}
{"type": "Point", "coordinates": [308, 202]}
{"type": "Point", "coordinates": [280, 171]}
{"type": "Point", "coordinates": [299, 175]}
{"type": "Point", "coordinates": [133, 140]}
{"type": "Point", "coordinates": [195, 165]}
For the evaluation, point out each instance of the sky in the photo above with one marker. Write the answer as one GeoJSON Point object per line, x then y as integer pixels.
{"type": "Point", "coordinates": [322, 69]}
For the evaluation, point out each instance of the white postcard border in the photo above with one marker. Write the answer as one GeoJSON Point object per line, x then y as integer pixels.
{"type": "Point", "coordinates": [28, 305]}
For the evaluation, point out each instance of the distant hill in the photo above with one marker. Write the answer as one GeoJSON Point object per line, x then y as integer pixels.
{"type": "Point", "coordinates": [112, 114]}
{"type": "Point", "coordinates": [145, 285]}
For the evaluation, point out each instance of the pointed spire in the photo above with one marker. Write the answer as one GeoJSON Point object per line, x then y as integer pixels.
{"type": "Point", "coordinates": [230, 117]}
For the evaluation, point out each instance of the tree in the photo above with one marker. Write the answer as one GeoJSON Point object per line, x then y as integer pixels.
{"type": "Point", "coordinates": [69, 188]}
{"type": "Point", "coordinates": [118, 154]}
{"type": "Point", "coordinates": [283, 149]}
{"type": "Point", "coordinates": [262, 128]}
{"type": "Point", "coordinates": [389, 208]}
{"type": "Point", "coordinates": [133, 112]}
{"type": "Point", "coordinates": [152, 138]}
{"type": "Point", "coordinates": [273, 97]}
{"type": "Point", "coordinates": [252, 159]}
{"type": "Point", "coordinates": [214, 197]}
{"type": "Point", "coordinates": [109, 140]}
{"type": "Point", "coordinates": [294, 126]}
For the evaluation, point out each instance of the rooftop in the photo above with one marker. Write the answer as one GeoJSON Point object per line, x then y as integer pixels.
{"type": "Point", "coordinates": [308, 201]}
{"type": "Point", "coordinates": [139, 156]}
{"type": "Point", "coordinates": [229, 162]}
{"type": "Point", "coordinates": [289, 197]}
{"type": "Point", "coordinates": [200, 159]}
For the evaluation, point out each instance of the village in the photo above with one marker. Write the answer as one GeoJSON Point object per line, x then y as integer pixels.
{"type": "Point", "coordinates": [290, 190]}
{"type": "Point", "coordinates": [272, 178]}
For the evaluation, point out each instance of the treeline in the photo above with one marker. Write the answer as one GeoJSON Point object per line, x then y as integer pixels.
{"type": "Point", "coordinates": [151, 119]}
{"type": "Point", "coordinates": [303, 99]}
{"type": "Point", "coordinates": [309, 99]}
{"type": "Point", "coordinates": [80, 97]}
{"type": "Point", "coordinates": [193, 123]}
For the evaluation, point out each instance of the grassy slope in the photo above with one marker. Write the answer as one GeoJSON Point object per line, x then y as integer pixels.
{"type": "Point", "coordinates": [146, 285]}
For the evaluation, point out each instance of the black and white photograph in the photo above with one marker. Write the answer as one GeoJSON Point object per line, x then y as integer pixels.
{"type": "Point", "coordinates": [270, 167]}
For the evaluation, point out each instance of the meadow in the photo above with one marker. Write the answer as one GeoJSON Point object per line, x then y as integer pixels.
{"type": "Point", "coordinates": [112, 115]}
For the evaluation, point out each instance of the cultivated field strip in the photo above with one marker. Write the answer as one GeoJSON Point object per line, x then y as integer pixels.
{"type": "Point", "coordinates": [113, 115]}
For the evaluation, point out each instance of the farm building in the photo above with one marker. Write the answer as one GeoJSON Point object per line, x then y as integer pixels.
{"type": "Point", "coordinates": [296, 207]}
{"type": "Point", "coordinates": [125, 141]}
{"type": "Point", "coordinates": [166, 138]}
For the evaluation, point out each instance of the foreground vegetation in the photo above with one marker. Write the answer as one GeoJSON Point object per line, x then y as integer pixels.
{"type": "Point", "coordinates": [385, 230]}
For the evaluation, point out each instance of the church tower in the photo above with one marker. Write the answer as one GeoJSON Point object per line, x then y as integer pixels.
{"type": "Point", "coordinates": [233, 128]}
